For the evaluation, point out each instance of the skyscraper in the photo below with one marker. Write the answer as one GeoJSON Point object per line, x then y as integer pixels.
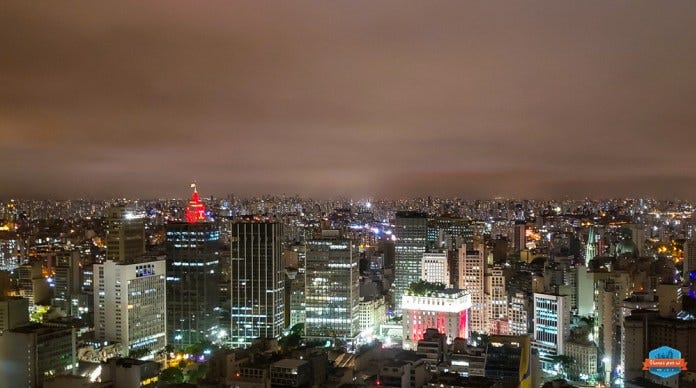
{"type": "Point", "coordinates": [332, 287]}
{"type": "Point", "coordinates": [551, 326]}
{"type": "Point", "coordinates": [410, 229]}
{"type": "Point", "coordinates": [125, 237]}
{"type": "Point", "coordinates": [11, 248]}
{"type": "Point", "coordinates": [497, 299]}
{"type": "Point", "coordinates": [130, 303]}
{"type": "Point", "coordinates": [193, 249]}
{"type": "Point", "coordinates": [520, 240]}
{"type": "Point", "coordinates": [473, 270]}
{"type": "Point", "coordinates": [192, 281]}
{"type": "Point", "coordinates": [257, 281]}
{"type": "Point", "coordinates": [66, 282]}
{"type": "Point", "coordinates": [591, 247]}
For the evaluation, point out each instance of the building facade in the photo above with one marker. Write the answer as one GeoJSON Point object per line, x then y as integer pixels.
{"type": "Point", "coordinates": [551, 326]}
{"type": "Point", "coordinates": [130, 304]}
{"type": "Point", "coordinates": [34, 352]}
{"type": "Point", "coordinates": [332, 294]}
{"type": "Point", "coordinates": [372, 313]}
{"type": "Point", "coordinates": [125, 237]}
{"type": "Point", "coordinates": [193, 251]}
{"type": "Point", "coordinates": [518, 314]}
{"type": "Point", "coordinates": [435, 268]}
{"type": "Point", "coordinates": [410, 229]}
{"type": "Point", "coordinates": [257, 281]}
{"type": "Point", "coordinates": [446, 310]}
{"type": "Point", "coordinates": [473, 270]}
{"type": "Point", "coordinates": [496, 296]}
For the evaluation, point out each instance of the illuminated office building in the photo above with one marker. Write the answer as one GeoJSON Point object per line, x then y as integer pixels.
{"type": "Point", "coordinates": [517, 314]}
{"type": "Point", "coordinates": [410, 229]}
{"type": "Point", "coordinates": [125, 237]}
{"type": "Point", "coordinates": [257, 281]}
{"type": "Point", "coordinates": [496, 301]}
{"type": "Point", "coordinates": [130, 303]}
{"type": "Point", "coordinates": [193, 250]}
{"type": "Point", "coordinates": [446, 310]}
{"type": "Point", "coordinates": [332, 288]}
{"type": "Point", "coordinates": [435, 269]}
{"type": "Point", "coordinates": [66, 282]}
{"type": "Point", "coordinates": [32, 353]}
{"type": "Point", "coordinates": [11, 249]}
{"type": "Point", "coordinates": [473, 269]}
{"type": "Point", "coordinates": [551, 326]}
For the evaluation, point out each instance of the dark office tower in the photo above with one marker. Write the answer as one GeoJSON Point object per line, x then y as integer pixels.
{"type": "Point", "coordinates": [410, 229]}
{"type": "Point", "coordinates": [66, 282]}
{"type": "Point", "coordinates": [332, 288]}
{"type": "Point", "coordinates": [125, 237]}
{"type": "Point", "coordinates": [520, 236]}
{"type": "Point", "coordinates": [257, 283]}
{"type": "Point", "coordinates": [193, 250]}
{"type": "Point", "coordinates": [449, 233]}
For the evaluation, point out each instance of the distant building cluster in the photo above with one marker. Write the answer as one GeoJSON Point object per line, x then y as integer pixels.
{"type": "Point", "coordinates": [292, 292]}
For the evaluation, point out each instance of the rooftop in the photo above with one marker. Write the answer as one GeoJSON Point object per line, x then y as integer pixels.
{"type": "Point", "coordinates": [288, 363]}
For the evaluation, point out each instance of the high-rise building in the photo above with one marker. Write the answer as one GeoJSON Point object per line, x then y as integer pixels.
{"type": "Point", "coordinates": [584, 354]}
{"type": "Point", "coordinates": [193, 273]}
{"type": "Point", "coordinates": [32, 284]}
{"type": "Point", "coordinates": [591, 248]}
{"type": "Point", "coordinates": [520, 240]}
{"type": "Point", "coordinates": [410, 229]}
{"type": "Point", "coordinates": [257, 281]}
{"type": "Point", "coordinates": [66, 282]}
{"type": "Point", "coordinates": [125, 237]}
{"type": "Point", "coordinates": [518, 314]}
{"type": "Point", "coordinates": [610, 293]}
{"type": "Point", "coordinates": [448, 233]}
{"type": "Point", "coordinates": [435, 268]}
{"type": "Point", "coordinates": [296, 285]}
{"type": "Point", "coordinates": [193, 251]}
{"type": "Point", "coordinates": [473, 273]}
{"type": "Point", "coordinates": [446, 310]}
{"type": "Point", "coordinates": [34, 352]}
{"type": "Point", "coordinates": [372, 313]}
{"type": "Point", "coordinates": [14, 312]}
{"type": "Point", "coordinates": [584, 291]}
{"type": "Point", "coordinates": [551, 326]}
{"type": "Point", "coordinates": [332, 294]}
{"type": "Point", "coordinates": [645, 330]}
{"type": "Point", "coordinates": [130, 303]}
{"type": "Point", "coordinates": [689, 260]}
{"type": "Point", "coordinates": [497, 299]}
{"type": "Point", "coordinates": [11, 248]}
{"type": "Point", "coordinates": [508, 360]}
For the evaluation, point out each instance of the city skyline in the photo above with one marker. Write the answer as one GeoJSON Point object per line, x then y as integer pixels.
{"type": "Point", "coordinates": [474, 100]}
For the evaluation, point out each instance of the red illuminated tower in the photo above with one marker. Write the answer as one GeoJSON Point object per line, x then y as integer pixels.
{"type": "Point", "coordinates": [195, 210]}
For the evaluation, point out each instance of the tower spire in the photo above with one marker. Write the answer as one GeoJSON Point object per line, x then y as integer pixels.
{"type": "Point", "coordinates": [195, 210]}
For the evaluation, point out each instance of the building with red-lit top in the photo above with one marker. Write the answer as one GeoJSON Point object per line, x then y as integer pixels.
{"type": "Point", "coordinates": [195, 210]}
{"type": "Point", "coordinates": [193, 256]}
{"type": "Point", "coordinates": [446, 310]}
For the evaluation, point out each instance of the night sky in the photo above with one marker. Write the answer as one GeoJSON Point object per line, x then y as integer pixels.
{"type": "Point", "coordinates": [356, 98]}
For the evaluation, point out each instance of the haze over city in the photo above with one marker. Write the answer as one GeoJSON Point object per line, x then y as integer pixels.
{"type": "Point", "coordinates": [471, 99]}
{"type": "Point", "coordinates": [348, 194]}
